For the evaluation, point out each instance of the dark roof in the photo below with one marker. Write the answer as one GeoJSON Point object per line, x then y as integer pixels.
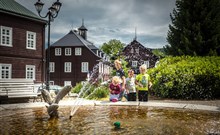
{"type": "Point", "coordinates": [135, 42]}
{"type": "Point", "coordinates": [82, 28]}
{"type": "Point", "coordinates": [72, 39]}
{"type": "Point", "coordinates": [13, 8]}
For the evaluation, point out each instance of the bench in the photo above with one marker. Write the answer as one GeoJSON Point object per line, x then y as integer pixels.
{"type": "Point", "coordinates": [17, 88]}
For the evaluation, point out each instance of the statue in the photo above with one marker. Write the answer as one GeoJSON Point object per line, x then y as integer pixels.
{"type": "Point", "coordinates": [53, 106]}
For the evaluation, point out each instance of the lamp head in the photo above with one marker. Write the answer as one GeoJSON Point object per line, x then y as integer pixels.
{"type": "Point", "coordinates": [39, 6]}
{"type": "Point", "coordinates": [57, 5]}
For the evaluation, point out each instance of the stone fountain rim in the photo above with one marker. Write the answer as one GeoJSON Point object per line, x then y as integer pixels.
{"type": "Point", "coordinates": [120, 103]}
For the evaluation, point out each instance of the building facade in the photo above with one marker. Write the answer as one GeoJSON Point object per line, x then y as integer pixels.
{"type": "Point", "coordinates": [73, 57]}
{"type": "Point", "coordinates": [136, 55]}
{"type": "Point", "coordinates": [22, 49]}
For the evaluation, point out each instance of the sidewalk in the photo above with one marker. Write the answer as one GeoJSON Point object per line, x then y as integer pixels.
{"type": "Point", "coordinates": [212, 105]}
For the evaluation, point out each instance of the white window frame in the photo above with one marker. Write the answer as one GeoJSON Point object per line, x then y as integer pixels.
{"type": "Point", "coordinates": [147, 63]}
{"type": "Point", "coordinates": [30, 71]}
{"type": "Point", "coordinates": [134, 63]}
{"type": "Point", "coordinates": [51, 82]}
{"type": "Point", "coordinates": [132, 50]}
{"type": "Point", "coordinates": [67, 83]}
{"type": "Point", "coordinates": [78, 51]}
{"type": "Point", "coordinates": [137, 50]}
{"type": "Point", "coordinates": [9, 70]}
{"type": "Point", "coordinates": [31, 41]}
{"type": "Point", "coordinates": [52, 67]}
{"type": "Point", "coordinates": [85, 67]}
{"type": "Point", "coordinates": [5, 37]}
{"type": "Point", "coordinates": [68, 51]}
{"type": "Point", "coordinates": [68, 67]}
{"type": "Point", "coordinates": [58, 51]}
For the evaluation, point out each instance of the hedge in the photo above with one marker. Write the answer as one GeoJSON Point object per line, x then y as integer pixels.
{"type": "Point", "coordinates": [187, 77]}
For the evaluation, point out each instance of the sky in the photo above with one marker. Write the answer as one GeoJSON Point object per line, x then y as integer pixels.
{"type": "Point", "coordinates": [112, 19]}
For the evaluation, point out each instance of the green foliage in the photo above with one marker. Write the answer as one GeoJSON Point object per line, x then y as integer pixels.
{"type": "Point", "coordinates": [99, 92]}
{"type": "Point", "coordinates": [113, 47]}
{"type": "Point", "coordinates": [195, 28]}
{"type": "Point", "coordinates": [187, 77]}
{"type": "Point", "coordinates": [159, 53]}
{"type": "Point", "coordinates": [91, 91]}
{"type": "Point", "coordinates": [77, 88]}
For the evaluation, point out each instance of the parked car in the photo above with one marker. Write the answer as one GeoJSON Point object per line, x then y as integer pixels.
{"type": "Point", "coordinates": [53, 88]}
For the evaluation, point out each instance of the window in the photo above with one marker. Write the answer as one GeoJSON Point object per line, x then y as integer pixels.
{"type": "Point", "coordinates": [137, 50]}
{"type": "Point", "coordinates": [78, 51]}
{"type": "Point", "coordinates": [67, 67]}
{"type": "Point", "coordinates": [30, 72]}
{"type": "Point", "coordinates": [5, 71]}
{"type": "Point", "coordinates": [134, 63]}
{"type": "Point", "coordinates": [31, 40]}
{"type": "Point", "coordinates": [85, 67]}
{"type": "Point", "coordinates": [147, 63]}
{"type": "Point", "coordinates": [67, 83]}
{"type": "Point", "coordinates": [6, 36]}
{"type": "Point", "coordinates": [132, 50]}
{"type": "Point", "coordinates": [68, 51]}
{"type": "Point", "coordinates": [51, 82]}
{"type": "Point", "coordinates": [52, 66]}
{"type": "Point", "coordinates": [57, 51]}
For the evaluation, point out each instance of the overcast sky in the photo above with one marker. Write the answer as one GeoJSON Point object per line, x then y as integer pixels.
{"type": "Point", "coordinates": [112, 19]}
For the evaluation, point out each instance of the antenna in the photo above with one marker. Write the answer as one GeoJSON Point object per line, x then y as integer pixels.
{"type": "Point", "coordinates": [82, 21]}
{"type": "Point", "coordinates": [135, 37]}
{"type": "Point", "coordinates": [71, 25]}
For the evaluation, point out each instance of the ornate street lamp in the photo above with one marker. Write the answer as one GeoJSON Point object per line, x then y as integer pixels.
{"type": "Point", "coordinates": [51, 14]}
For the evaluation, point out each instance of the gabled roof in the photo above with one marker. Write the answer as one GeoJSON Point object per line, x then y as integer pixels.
{"type": "Point", "coordinates": [72, 39]}
{"type": "Point", "coordinates": [13, 8]}
{"type": "Point", "coordinates": [135, 42]}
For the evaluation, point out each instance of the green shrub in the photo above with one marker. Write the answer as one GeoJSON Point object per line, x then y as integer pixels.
{"type": "Point", "coordinates": [187, 77]}
{"type": "Point", "coordinates": [77, 88]}
{"type": "Point", "coordinates": [99, 92]}
{"type": "Point", "coordinates": [90, 91]}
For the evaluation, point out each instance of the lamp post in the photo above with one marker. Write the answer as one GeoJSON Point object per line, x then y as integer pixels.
{"type": "Point", "coordinates": [51, 14]}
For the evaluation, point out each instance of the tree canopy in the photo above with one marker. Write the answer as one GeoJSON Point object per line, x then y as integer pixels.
{"type": "Point", "coordinates": [195, 28]}
{"type": "Point", "coordinates": [113, 47]}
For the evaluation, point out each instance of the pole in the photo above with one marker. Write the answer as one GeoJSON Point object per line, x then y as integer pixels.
{"type": "Point", "coordinates": [48, 55]}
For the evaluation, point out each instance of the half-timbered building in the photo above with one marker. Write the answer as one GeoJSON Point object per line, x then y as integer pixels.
{"type": "Point", "coordinates": [136, 55]}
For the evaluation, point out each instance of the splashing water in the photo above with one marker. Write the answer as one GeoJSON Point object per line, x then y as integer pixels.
{"type": "Point", "coordinates": [93, 78]}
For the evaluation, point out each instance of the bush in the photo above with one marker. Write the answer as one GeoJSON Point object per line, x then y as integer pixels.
{"type": "Point", "coordinates": [77, 88]}
{"type": "Point", "coordinates": [90, 91]}
{"type": "Point", "coordinates": [187, 77]}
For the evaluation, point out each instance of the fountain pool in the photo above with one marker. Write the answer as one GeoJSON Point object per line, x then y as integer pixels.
{"type": "Point", "coordinates": [99, 120]}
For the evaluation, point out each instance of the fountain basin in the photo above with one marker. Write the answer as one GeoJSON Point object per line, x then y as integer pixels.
{"type": "Point", "coordinates": [98, 117]}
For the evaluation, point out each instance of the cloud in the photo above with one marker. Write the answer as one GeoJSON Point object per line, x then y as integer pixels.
{"type": "Point", "coordinates": [112, 19]}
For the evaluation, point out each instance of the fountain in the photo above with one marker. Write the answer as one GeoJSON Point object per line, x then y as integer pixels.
{"type": "Point", "coordinates": [129, 119]}
{"type": "Point", "coordinates": [53, 104]}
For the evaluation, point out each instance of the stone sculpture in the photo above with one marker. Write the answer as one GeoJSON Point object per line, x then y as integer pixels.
{"type": "Point", "coordinates": [52, 107]}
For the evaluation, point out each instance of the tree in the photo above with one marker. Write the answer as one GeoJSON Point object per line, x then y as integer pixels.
{"type": "Point", "coordinates": [195, 28]}
{"type": "Point", "coordinates": [113, 47]}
